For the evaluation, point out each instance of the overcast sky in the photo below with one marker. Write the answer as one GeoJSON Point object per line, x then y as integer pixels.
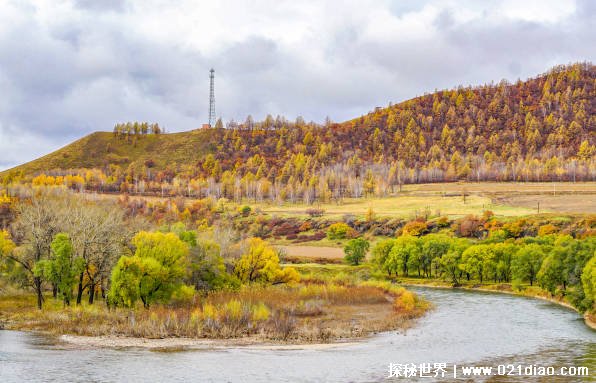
{"type": "Point", "coordinates": [68, 68]}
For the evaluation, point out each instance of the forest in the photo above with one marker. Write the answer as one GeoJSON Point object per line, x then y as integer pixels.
{"type": "Point", "coordinates": [541, 129]}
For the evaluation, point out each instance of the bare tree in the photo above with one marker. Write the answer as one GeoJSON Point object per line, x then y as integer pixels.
{"type": "Point", "coordinates": [98, 237]}
{"type": "Point", "coordinates": [38, 223]}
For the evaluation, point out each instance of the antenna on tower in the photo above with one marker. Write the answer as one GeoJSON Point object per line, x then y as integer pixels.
{"type": "Point", "coordinates": [212, 98]}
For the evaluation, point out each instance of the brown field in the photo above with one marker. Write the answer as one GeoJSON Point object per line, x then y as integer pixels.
{"type": "Point", "coordinates": [567, 203]}
{"type": "Point", "coordinates": [505, 187]}
{"type": "Point", "coordinates": [503, 198]}
{"type": "Point", "coordinates": [313, 252]}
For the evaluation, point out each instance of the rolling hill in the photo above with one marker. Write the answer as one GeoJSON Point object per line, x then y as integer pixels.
{"type": "Point", "coordinates": [540, 129]}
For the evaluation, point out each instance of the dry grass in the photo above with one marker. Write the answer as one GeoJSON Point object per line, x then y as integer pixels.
{"type": "Point", "coordinates": [401, 206]}
{"type": "Point", "coordinates": [503, 198]}
{"type": "Point", "coordinates": [311, 312]}
{"type": "Point", "coordinates": [315, 254]}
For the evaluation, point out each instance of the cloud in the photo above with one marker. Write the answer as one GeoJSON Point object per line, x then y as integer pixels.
{"type": "Point", "coordinates": [72, 67]}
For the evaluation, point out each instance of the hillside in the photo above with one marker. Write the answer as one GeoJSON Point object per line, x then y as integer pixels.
{"type": "Point", "coordinates": [540, 129]}
{"type": "Point", "coordinates": [102, 149]}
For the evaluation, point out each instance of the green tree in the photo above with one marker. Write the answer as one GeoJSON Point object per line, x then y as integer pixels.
{"type": "Point", "coordinates": [62, 270]}
{"type": "Point", "coordinates": [355, 251]}
{"type": "Point", "coordinates": [153, 273]}
{"type": "Point", "coordinates": [433, 247]}
{"type": "Point", "coordinates": [380, 254]}
{"type": "Point", "coordinates": [552, 272]}
{"type": "Point", "coordinates": [451, 260]}
{"type": "Point", "coordinates": [503, 254]}
{"type": "Point", "coordinates": [526, 263]}
{"type": "Point", "coordinates": [474, 260]}
{"type": "Point", "coordinates": [589, 284]}
{"type": "Point", "coordinates": [405, 248]}
{"type": "Point", "coordinates": [208, 269]}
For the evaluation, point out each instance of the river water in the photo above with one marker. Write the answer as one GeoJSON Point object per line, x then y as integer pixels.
{"type": "Point", "coordinates": [470, 328]}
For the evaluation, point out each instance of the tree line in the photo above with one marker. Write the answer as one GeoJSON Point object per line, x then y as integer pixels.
{"type": "Point", "coordinates": [127, 129]}
{"type": "Point", "coordinates": [559, 264]}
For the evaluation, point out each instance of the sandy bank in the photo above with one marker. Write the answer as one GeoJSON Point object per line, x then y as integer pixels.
{"type": "Point", "coordinates": [179, 344]}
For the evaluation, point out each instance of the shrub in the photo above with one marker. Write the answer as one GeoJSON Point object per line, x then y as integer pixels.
{"type": "Point", "coordinates": [260, 312]}
{"type": "Point", "coordinates": [547, 229]}
{"type": "Point", "coordinates": [184, 295]}
{"type": "Point", "coordinates": [443, 222]}
{"type": "Point", "coordinates": [306, 226]}
{"type": "Point", "coordinates": [415, 228]}
{"type": "Point", "coordinates": [315, 212]}
{"type": "Point", "coordinates": [469, 226]}
{"type": "Point", "coordinates": [406, 302]}
{"type": "Point", "coordinates": [340, 230]}
{"type": "Point", "coordinates": [245, 210]}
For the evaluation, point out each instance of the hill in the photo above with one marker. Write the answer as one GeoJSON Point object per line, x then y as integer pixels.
{"type": "Point", "coordinates": [540, 129]}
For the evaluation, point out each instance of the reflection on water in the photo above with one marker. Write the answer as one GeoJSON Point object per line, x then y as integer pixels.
{"type": "Point", "coordinates": [465, 327]}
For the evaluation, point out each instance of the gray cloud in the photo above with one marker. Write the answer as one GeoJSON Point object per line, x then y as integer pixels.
{"type": "Point", "coordinates": [70, 70]}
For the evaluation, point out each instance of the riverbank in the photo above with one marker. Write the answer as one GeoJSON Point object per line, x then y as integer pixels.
{"type": "Point", "coordinates": [187, 344]}
{"type": "Point", "coordinates": [305, 314]}
{"type": "Point", "coordinates": [589, 319]}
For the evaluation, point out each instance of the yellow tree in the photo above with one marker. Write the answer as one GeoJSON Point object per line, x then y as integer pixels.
{"type": "Point", "coordinates": [260, 264]}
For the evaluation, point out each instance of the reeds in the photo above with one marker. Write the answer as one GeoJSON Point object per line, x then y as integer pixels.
{"type": "Point", "coordinates": [307, 312]}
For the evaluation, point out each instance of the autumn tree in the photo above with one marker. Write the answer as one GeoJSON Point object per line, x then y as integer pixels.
{"type": "Point", "coordinates": [153, 273]}
{"type": "Point", "coordinates": [39, 221]}
{"type": "Point", "coordinates": [260, 264]}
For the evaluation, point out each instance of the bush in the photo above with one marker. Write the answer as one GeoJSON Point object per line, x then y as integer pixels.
{"type": "Point", "coordinates": [406, 302]}
{"type": "Point", "coordinates": [340, 230]}
{"type": "Point", "coordinates": [415, 228]}
{"type": "Point", "coordinates": [469, 226]}
{"type": "Point", "coordinates": [245, 210]}
{"type": "Point", "coordinates": [315, 212]}
{"type": "Point", "coordinates": [547, 229]}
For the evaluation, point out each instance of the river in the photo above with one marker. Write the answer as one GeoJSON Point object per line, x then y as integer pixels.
{"type": "Point", "coordinates": [471, 328]}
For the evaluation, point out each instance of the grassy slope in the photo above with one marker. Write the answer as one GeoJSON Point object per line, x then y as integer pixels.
{"type": "Point", "coordinates": [102, 148]}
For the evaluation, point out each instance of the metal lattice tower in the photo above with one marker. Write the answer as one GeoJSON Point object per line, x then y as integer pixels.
{"type": "Point", "coordinates": [212, 98]}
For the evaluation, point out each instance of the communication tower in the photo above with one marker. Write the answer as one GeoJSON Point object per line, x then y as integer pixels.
{"type": "Point", "coordinates": [212, 98]}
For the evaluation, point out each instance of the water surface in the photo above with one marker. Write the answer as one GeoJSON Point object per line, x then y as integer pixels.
{"type": "Point", "coordinates": [464, 328]}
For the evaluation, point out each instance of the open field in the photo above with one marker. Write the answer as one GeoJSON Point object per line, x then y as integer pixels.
{"type": "Point", "coordinates": [567, 203]}
{"type": "Point", "coordinates": [504, 199]}
{"type": "Point", "coordinates": [503, 187]}
{"type": "Point", "coordinates": [405, 206]}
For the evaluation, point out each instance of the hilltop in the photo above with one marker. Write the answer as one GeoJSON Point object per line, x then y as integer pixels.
{"type": "Point", "coordinates": [540, 129]}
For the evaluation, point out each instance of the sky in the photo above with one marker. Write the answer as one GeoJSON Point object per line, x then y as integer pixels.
{"type": "Point", "coordinates": [72, 67]}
